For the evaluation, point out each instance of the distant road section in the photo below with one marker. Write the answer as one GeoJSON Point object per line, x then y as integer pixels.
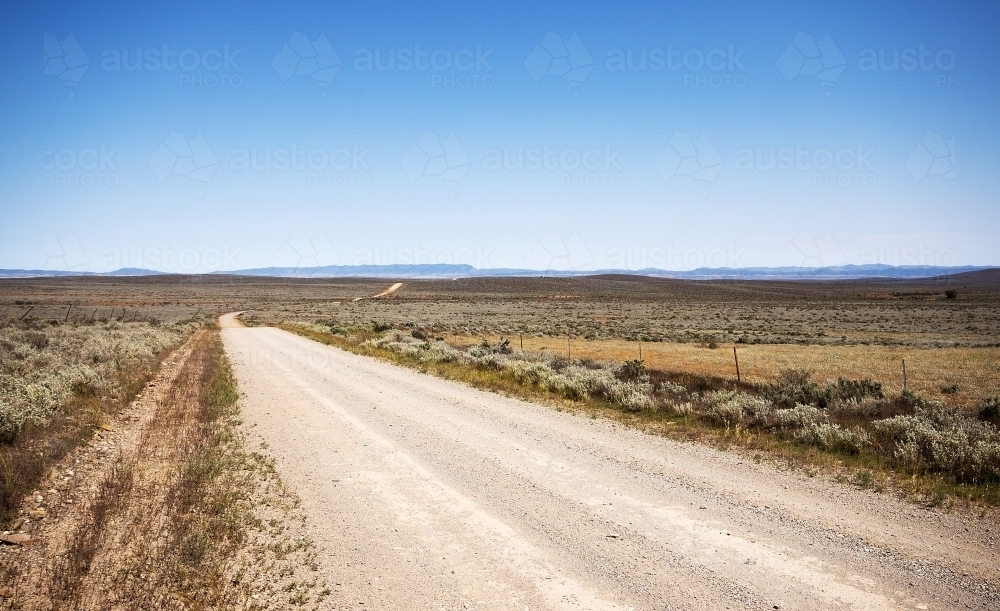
{"type": "Point", "coordinates": [426, 494]}
{"type": "Point", "coordinates": [231, 321]}
{"type": "Point", "coordinates": [389, 291]}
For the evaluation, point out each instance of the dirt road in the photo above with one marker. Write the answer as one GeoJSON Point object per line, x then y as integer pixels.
{"type": "Point", "coordinates": [389, 291]}
{"type": "Point", "coordinates": [427, 494]}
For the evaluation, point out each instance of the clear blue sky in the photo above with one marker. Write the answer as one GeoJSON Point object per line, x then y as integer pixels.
{"type": "Point", "coordinates": [517, 134]}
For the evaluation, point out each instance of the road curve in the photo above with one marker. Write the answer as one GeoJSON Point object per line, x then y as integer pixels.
{"type": "Point", "coordinates": [427, 494]}
{"type": "Point", "coordinates": [389, 291]}
{"type": "Point", "coordinates": [231, 321]}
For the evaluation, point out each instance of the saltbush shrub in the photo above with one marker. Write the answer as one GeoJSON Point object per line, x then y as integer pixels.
{"type": "Point", "coordinates": [798, 417]}
{"type": "Point", "coordinates": [942, 439]}
{"type": "Point", "coordinates": [42, 366]}
{"type": "Point", "coordinates": [794, 387]}
{"type": "Point", "coordinates": [928, 436]}
{"type": "Point", "coordinates": [832, 437]}
{"type": "Point", "coordinates": [858, 390]}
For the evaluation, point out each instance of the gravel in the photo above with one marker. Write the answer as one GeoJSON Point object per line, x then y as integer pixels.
{"type": "Point", "coordinates": [425, 493]}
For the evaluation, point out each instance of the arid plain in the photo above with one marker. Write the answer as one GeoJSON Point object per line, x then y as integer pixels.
{"type": "Point", "coordinates": [813, 465]}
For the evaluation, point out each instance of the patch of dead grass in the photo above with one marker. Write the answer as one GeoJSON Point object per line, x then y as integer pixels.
{"type": "Point", "coordinates": [928, 370]}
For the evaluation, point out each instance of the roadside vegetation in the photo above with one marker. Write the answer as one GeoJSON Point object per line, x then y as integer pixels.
{"type": "Point", "coordinates": [915, 444]}
{"type": "Point", "coordinates": [59, 382]}
{"type": "Point", "coordinates": [184, 515]}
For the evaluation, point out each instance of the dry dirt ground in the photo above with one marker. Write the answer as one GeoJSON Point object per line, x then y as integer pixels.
{"type": "Point", "coordinates": [878, 312]}
{"type": "Point", "coordinates": [92, 544]}
{"type": "Point", "coordinates": [426, 494]}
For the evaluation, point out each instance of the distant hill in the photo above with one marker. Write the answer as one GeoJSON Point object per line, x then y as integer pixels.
{"type": "Point", "coordinates": [846, 272]}
{"type": "Point", "coordinates": [438, 270]}
{"type": "Point", "coordinates": [982, 277]}
{"type": "Point", "coordinates": [49, 273]}
{"type": "Point", "coordinates": [442, 270]}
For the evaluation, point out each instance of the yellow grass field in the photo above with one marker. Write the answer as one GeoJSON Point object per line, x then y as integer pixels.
{"type": "Point", "coordinates": [976, 371]}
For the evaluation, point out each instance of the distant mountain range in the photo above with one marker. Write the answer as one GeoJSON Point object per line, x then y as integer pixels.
{"type": "Point", "coordinates": [840, 272]}
{"type": "Point", "coordinates": [49, 273]}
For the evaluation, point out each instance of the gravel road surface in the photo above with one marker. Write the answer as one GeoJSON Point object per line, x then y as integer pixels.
{"type": "Point", "coordinates": [427, 494]}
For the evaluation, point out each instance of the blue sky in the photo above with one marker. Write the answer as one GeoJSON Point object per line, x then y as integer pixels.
{"type": "Point", "coordinates": [512, 135]}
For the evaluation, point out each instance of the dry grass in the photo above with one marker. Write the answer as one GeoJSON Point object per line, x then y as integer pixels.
{"type": "Point", "coordinates": [975, 371]}
{"type": "Point", "coordinates": [183, 517]}
{"type": "Point", "coordinates": [59, 382]}
{"type": "Point", "coordinates": [690, 412]}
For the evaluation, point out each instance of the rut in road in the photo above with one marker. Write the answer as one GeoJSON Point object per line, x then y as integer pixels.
{"type": "Point", "coordinates": [424, 493]}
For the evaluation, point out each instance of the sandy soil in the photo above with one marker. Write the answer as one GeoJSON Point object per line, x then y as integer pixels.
{"type": "Point", "coordinates": [427, 494]}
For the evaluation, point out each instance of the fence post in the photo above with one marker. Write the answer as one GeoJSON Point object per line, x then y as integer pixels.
{"type": "Point", "coordinates": [904, 375]}
{"type": "Point", "coordinates": [737, 359]}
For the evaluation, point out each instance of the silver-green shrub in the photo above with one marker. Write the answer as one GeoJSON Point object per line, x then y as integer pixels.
{"type": "Point", "coordinates": [570, 381]}
{"type": "Point", "coordinates": [798, 417]}
{"type": "Point", "coordinates": [941, 438]}
{"type": "Point", "coordinates": [833, 437]}
{"type": "Point", "coordinates": [41, 365]}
